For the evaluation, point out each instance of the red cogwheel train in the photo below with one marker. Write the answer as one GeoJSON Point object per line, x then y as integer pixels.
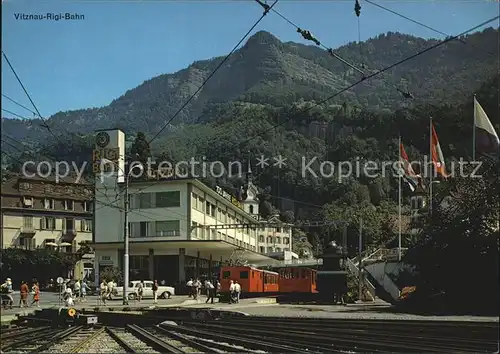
{"type": "Point", "coordinates": [257, 282]}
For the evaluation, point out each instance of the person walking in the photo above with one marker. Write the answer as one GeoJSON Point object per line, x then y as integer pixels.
{"type": "Point", "coordinates": [232, 292]}
{"type": "Point", "coordinates": [140, 290]}
{"type": "Point", "coordinates": [189, 286]}
{"type": "Point", "coordinates": [210, 291]}
{"type": "Point", "coordinates": [155, 292]}
{"type": "Point", "coordinates": [36, 294]}
{"type": "Point", "coordinates": [7, 293]}
{"type": "Point", "coordinates": [77, 289]}
{"type": "Point", "coordinates": [103, 289]}
{"type": "Point", "coordinates": [24, 290]}
{"type": "Point", "coordinates": [237, 290]}
{"type": "Point", "coordinates": [83, 291]}
{"type": "Point", "coordinates": [196, 288]}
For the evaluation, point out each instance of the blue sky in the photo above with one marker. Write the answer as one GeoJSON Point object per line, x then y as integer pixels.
{"type": "Point", "coordinates": [68, 65]}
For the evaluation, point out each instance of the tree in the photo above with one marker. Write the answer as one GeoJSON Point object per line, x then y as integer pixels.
{"type": "Point", "coordinates": [458, 255]}
{"type": "Point", "coordinates": [84, 249]}
{"type": "Point", "coordinates": [111, 273]}
{"type": "Point", "coordinates": [141, 149]}
{"type": "Point", "coordinates": [287, 217]}
{"type": "Point", "coordinates": [42, 264]}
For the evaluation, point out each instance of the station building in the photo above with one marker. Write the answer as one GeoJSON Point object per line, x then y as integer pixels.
{"type": "Point", "coordinates": [179, 228]}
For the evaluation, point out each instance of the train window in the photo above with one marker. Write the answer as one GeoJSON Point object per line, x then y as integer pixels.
{"type": "Point", "coordinates": [244, 274]}
{"type": "Point", "coordinates": [304, 274]}
{"type": "Point", "coordinates": [253, 275]}
{"type": "Point", "coordinates": [226, 274]}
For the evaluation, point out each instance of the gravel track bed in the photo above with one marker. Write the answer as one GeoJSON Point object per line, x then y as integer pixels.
{"type": "Point", "coordinates": [164, 337]}
{"type": "Point", "coordinates": [210, 341]}
{"type": "Point", "coordinates": [349, 312]}
{"type": "Point", "coordinates": [131, 340]}
{"type": "Point", "coordinates": [103, 343]}
{"type": "Point", "coordinates": [67, 344]}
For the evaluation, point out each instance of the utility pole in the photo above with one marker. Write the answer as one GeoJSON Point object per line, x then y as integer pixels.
{"type": "Point", "coordinates": [360, 262]}
{"type": "Point", "coordinates": [126, 246]}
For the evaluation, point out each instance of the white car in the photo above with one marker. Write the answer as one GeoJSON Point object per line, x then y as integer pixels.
{"type": "Point", "coordinates": [164, 292]}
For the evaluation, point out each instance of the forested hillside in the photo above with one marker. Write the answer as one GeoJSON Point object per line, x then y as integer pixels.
{"type": "Point", "coordinates": [265, 102]}
{"type": "Point", "coordinates": [267, 71]}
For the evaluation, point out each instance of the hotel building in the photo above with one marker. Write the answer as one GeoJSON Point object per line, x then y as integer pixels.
{"type": "Point", "coordinates": [179, 228]}
{"type": "Point", "coordinates": [44, 213]}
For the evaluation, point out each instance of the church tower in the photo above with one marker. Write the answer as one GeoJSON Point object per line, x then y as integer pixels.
{"type": "Point", "coordinates": [251, 203]}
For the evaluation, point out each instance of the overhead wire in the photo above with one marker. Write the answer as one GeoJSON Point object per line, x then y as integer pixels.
{"type": "Point", "coordinates": [18, 104]}
{"type": "Point", "coordinates": [267, 8]}
{"type": "Point", "coordinates": [372, 75]}
{"type": "Point", "coordinates": [349, 87]}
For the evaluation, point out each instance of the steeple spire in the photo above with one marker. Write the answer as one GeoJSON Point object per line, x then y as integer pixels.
{"type": "Point", "coordinates": [249, 171]}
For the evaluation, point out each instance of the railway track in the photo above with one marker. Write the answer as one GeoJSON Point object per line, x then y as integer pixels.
{"type": "Point", "coordinates": [254, 335]}
{"type": "Point", "coordinates": [342, 335]}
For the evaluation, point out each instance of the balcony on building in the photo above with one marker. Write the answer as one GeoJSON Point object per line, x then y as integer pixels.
{"type": "Point", "coordinates": [27, 229]}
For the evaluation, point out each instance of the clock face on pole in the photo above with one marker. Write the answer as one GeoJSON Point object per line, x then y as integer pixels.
{"type": "Point", "coordinates": [102, 139]}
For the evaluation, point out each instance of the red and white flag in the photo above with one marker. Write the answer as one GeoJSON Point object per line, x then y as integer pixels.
{"type": "Point", "coordinates": [407, 170]}
{"type": "Point", "coordinates": [437, 154]}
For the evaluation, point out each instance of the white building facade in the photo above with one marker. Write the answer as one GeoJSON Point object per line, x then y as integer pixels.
{"type": "Point", "coordinates": [179, 228]}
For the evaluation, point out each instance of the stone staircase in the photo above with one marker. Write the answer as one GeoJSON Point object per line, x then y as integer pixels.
{"type": "Point", "coordinates": [379, 284]}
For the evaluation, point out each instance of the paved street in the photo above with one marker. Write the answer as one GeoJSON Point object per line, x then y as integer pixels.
{"type": "Point", "coordinates": [49, 299]}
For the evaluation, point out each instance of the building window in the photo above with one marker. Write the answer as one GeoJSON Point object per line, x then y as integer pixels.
{"type": "Point", "coordinates": [200, 204]}
{"type": "Point", "coordinates": [28, 222]}
{"type": "Point", "coordinates": [251, 209]}
{"type": "Point", "coordinates": [278, 239]}
{"type": "Point", "coordinates": [262, 249]}
{"type": "Point", "coordinates": [168, 199]}
{"type": "Point", "coordinates": [48, 223]}
{"type": "Point", "coordinates": [143, 229]}
{"type": "Point", "coordinates": [278, 229]}
{"type": "Point", "coordinates": [269, 250]}
{"type": "Point", "coordinates": [69, 205]}
{"type": "Point", "coordinates": [278, 249]}
{"type": "Point", "coordinates": [286, 240]}
{"type": "Point", "coordinates": [207, 207]}
{"type": "Point", "coordinates": [68, 224]}
{"type": "Point", "coordinates": [213, 210]}
{"type": "Point", "coordinates": [86, 225]}
{"type": "Point", "coordinates": [87, 206]}
{"type": "Point", "coordinates": [195, 229]}
{"type": "Point", "coordinates": [27, 202]}
{"type": "Point", "coordinates": [25, 185]}
{"type": "Point", "coordinates": [269, 239]}
{"type": "Point", "coordinates": [168, 228]}
{"type": "Point", "coordinates": [261, 238]}
{"type": "Point", "coordinates": [48, 203]}
{"type": "Point", "coordinates": [144, 201]}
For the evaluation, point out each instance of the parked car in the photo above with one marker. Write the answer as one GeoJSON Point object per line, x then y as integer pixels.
{"type": "Point", "coordinates": [164, 292]}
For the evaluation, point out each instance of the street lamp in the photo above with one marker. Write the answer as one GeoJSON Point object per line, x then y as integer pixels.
{"type": "Point", "coordinates": [126, 264]}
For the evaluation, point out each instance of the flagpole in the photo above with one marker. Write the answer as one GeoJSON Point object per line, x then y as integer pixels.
{"type": "Point", "coordinates": [474, 133]}
{"type": "Point", "coordinates": [399, 203]}
{"type": "Point", "coordinates": [431, 165]}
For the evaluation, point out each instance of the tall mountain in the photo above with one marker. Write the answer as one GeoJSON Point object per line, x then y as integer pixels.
{"type": "Point", "coordinates": [266, 70]}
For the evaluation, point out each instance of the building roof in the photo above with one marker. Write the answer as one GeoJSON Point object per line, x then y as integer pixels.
{"type": "Point", "coordinates": [11, 187]}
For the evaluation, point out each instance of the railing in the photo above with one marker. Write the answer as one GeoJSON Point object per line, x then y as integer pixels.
{"type": "Point", "coordinates": [27, 229]}
{"type": "Point", "coordinates": [168, 233]}
{"type": "Point", "coordinates": [304, 261]}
